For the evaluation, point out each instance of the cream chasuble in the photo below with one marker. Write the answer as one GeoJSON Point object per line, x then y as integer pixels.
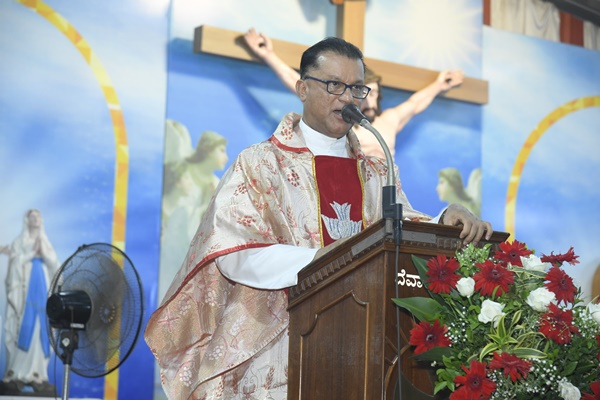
{"type": "Point", "coordinates": [216, 339]}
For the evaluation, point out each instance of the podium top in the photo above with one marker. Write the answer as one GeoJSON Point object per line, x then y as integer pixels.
{"type": "Point", "coordinates": [418, 238]}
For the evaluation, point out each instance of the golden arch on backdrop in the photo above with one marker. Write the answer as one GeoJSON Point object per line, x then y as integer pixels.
{"type": "Point", "coordinates": [534, 136]}
{"type": "Point", "coordinates": [111, 382]}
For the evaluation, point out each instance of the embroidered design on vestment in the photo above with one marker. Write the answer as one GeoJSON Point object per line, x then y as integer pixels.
{"type": "Point", "coordinates": [342, 226]}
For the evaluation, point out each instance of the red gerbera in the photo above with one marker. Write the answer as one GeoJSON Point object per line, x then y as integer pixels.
{"type": "Point", "coordinates": [512, 252]}
{"type": "Point", "coordinates": [557, 325]}
{"type": "Point", "coordinates": [561, 285]}
{"type": "Point", "coordinates": [558, 259]}
{"type": "Point", "coordinates": [442, 274]}
{"type": "Point", "coordinates": [511, 365]}
{"type": "Point", "coordinates": [426, 336]}
{"type": "Point", "coordinates": [595, 386]}
{"type": "Point", "coordinates": [492, 276]}
{"type": "Point", "coordinates": [475, 384]}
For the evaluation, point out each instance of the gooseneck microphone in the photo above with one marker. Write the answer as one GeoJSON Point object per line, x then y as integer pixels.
{"type": "Point", "coordinates": [391, 210]}
{"type": "Point", "coordinates": [351, 114]}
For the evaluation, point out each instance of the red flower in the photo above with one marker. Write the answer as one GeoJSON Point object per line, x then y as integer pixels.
{"type": "Point", "coordinates": [558, 259]}
{"type": "Point", "coordinates": [561, 285]}
{"type": "Point", "coordinates": [492, 276]}
{"type": "Point", "coordinates": [426, 336]}
{"type": "Point", "coordinates": [475, 384]}
{"type": "Point", "coordinates": [512, 365]}
{"type": "Point", "coordinates": [557, 325]}
{"type": "Point", "coordinates": [598, 340]}
{"type": "Point", "coordinates": [512, 252]}
{"type": "Point", "coordinates": [595, 386]}
{"type": "Point", "coordinates": [442, 274]}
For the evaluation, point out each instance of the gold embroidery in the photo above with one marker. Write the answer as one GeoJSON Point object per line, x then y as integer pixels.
{"type": "Point", "coordinates": [314, 170]}
{"type": "Point", "coordinates": [362, 190]}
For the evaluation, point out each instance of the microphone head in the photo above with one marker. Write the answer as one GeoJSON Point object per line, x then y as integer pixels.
{"type": "Point", "coordinates": [351, 114]}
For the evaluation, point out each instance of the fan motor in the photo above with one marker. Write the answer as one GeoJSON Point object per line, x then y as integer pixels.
{"type": "Point", "coordinates": [69, 309]}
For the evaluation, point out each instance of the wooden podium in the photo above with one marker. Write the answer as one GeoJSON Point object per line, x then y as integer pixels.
{"type": "Point", "coordinates": [343, 337]}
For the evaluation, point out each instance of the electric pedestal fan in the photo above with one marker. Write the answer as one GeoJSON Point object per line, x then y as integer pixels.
{"type": "Point", "coordinates": [94, 306]}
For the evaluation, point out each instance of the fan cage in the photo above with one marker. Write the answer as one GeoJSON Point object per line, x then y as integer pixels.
{"type": "Point", "coordinates": [111, 281]}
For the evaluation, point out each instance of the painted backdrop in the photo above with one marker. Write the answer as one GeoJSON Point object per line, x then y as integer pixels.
{"type": "Point", "coordinates": [100, 102]}
{"type": "Point", "coordinates": [83, 106]}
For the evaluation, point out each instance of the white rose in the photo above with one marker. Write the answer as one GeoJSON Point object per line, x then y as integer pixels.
{"type": "Point", "coordinates": [534, 263]}
{"type": "Point", "coordinates": [540, 299]}
{"type": "Point", "coordinates": [568, 391]}
{"type": "Point", "coordinates": [594, 310]}
{"type": "Point", "coordinates": [490, 311]}
{"type": "Point", "coordinates": [465, 286]}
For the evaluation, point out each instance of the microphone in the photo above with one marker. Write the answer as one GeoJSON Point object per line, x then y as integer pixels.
{"type": "Point", "coordinates": [391, 209]}
{"type": "Point", "coordinates": [352, 114]}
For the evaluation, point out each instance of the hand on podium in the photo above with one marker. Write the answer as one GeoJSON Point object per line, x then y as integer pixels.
{"type": "Point", "coordinates": [473, 227]}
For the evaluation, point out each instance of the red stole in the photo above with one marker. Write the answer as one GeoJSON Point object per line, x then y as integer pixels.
{"type": "Point", "coordinates": [341, 195]}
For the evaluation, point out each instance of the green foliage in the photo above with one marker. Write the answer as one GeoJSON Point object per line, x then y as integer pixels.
{"type": "Point", "coordinates": [514, 331]}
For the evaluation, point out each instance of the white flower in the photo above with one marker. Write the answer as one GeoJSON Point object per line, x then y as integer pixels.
{"type": "Point", "coordinates": [465, 286]}
{"type": "Point", "coordinates": [568, 391]}
{"type": "Point", "coordinates": [594, 310]}
{"type": "Point", "coordinates": [534, 263]}
{"type": "Point", "coordinates": [490, 311]}
{"type": "Point", "coordinates": [540, 298]}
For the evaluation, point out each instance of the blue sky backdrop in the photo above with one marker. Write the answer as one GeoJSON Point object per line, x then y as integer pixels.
{"type": "Point", "coordinates": [557, 202]}
{"type": "Point", "coordinates": [57, 149]}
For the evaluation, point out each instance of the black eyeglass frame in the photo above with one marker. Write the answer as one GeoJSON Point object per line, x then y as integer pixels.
{"type": "Point", "coordinates": [346, 86]}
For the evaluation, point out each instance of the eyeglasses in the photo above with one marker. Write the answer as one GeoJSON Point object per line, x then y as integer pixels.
{"type": "Point", "coordinates": [339, 88]}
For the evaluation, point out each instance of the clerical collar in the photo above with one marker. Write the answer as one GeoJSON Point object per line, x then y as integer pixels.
{"type": "Point", "coordinates": [322, 145]}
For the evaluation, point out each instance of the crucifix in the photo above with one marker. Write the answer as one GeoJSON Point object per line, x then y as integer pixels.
{"type": "Point", "coordinates": [350, 24]}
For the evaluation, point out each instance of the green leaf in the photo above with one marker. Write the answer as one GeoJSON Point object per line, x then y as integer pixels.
{"type": "Point", "coordinates": [530, 337]}
{"type": "Point", "coordinates": [423, 308]}
{"type": "Point", "coordinates": [496, 338]}
{"type": "Point", "coordinates": [526, 353]}
{"type": "Point", "coordinates": [451, 365]}
{"type": "Point", "coordinates": [501, 329]}
{"type": "Point", "coordinates": [569, 368]}
{"type": "Point", "coordinates": [584, 368]}
{"type": "Point", "coordinates": [516, 318]}
{"type": "Point", "coordinates": [440, 386]}
{"type": "Point", "coordinates": [489, 348]}
{"type": "Point", "coordinates": [435, 354]}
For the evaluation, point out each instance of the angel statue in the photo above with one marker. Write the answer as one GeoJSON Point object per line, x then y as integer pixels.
{"type": "Point", "coordinates": [451, 190]}
{"type": "Point", "coordinates": [188, 185]}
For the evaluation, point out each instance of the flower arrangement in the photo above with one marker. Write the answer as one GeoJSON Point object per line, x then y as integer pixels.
{"type": "Point", "coordinates": [508, 325]}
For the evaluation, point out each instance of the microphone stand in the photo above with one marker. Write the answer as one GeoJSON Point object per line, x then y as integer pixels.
{"type": "Point", "coordinates": [391, 211]}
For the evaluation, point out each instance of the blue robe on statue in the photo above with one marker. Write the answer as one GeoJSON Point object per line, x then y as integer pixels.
{"type": "Point", "coordinates": [35, 308]}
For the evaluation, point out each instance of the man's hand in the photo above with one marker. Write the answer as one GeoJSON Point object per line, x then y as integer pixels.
{"type": "Point", "coordinates": [473, 227]}
{"type": "Point", "coordinates": [449, 79]}
{"type": "Point", "coordinates": [259, 44]}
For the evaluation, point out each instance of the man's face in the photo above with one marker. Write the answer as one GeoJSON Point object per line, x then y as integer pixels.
{"type": "Point", "coordinates": [370, 106]}
{"type": "Point", "coordinates": [322, 110]}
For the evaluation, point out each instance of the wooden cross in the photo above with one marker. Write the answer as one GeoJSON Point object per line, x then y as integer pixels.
{"type": "Point", "coordinates": [349, 26]}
